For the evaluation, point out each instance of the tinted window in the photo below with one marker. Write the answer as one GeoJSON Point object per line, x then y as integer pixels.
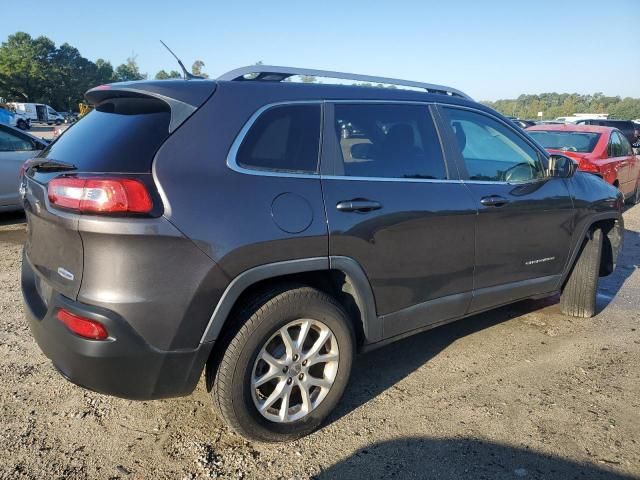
{"type": "Point", "coordinates": [626, 146]}
{"type": "Point", "coordinates": [568, 141]}
{"type": "Point", "coordinates": [491, 151]}
{"type": "Point", "coordinates": [615, 145]}
{"type": "Point", "coordinates": [120, 135]}
{"type": "Point", "coordinates": [284, 138]}
{"type": "Point", "coordinates": [391, 141]}
{"type": "Point", "coordinates": [11, 142]}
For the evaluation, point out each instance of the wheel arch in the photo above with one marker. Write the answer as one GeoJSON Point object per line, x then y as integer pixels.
{"type": "Point", "coordinates": [612, 225]}
{"type": "Point", "coordinates": [341, 277]}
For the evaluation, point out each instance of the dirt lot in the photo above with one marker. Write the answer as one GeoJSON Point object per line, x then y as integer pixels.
{"type": "Point", "coordinates": [521, 392]}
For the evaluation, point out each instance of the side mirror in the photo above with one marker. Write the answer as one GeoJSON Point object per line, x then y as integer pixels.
{"type": "Point", "coordinates": [561, 166]}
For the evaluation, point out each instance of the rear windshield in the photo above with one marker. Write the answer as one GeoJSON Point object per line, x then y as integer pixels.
{"type": "Point", "coordinates": [120, 135]}
{"type": "Point", "coordinates": [583, 142]}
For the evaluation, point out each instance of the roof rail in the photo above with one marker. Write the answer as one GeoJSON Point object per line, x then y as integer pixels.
{"type": "Point", "coordinates": [277, 74]}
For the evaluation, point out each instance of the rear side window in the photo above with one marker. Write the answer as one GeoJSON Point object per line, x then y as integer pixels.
{"type": "Point", "coordinates": [284, 138]}
{"type": "Point", "coordinates": [12, 142]}
{"type": "Point", "coordinates": [120, 135]}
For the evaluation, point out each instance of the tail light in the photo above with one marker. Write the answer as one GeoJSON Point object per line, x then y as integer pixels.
{"type": "Point", "coordinates": [100, 195]}
{"type": "Point", "coordinates": [587, 166]}
{"type": "Point", "coordinates": [84, 327]}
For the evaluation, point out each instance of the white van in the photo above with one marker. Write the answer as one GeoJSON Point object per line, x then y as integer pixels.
{"type": "Point", "coordinates": [38, 113]}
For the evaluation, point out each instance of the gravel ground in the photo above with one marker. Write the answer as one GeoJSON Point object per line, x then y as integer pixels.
{"type": "Point", "coordinates": [520, 392]}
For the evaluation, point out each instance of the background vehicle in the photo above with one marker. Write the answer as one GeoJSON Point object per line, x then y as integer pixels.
{"type": "Point", "coordinates": [272, 274]}
{"type": "Point", "coordinates": [15, 147]}
{"type": "Point", "coordinates": [522, 123]}
{"type": "Point", "coordinates": [628, 128]}
{"type": "Point", "coordinates": [601, 150]}
{"type": "Point", "coordinates": [38, 113]}
{"type": "Point", "coordinates": [9, 117]}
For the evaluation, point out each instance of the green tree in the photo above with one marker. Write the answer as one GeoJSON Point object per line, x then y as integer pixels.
{"type": "Point", "coordinates": [25, 67]}
{"type": "Point", "coordinates": [163, 75]}
{"type": "Point", "coordinates": [129, 71]}
{"type": "Point", "coordinates": [104, 72]}
{"type": "Point", "coordinates": [196, 69]}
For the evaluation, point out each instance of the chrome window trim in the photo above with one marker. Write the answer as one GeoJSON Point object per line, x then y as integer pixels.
{"type": "Point", "coordinates": [235, 146]}
{"type": "Point", "coordinates": [386, 179]}
{"type": "Point", "coordinates": [232, 162]}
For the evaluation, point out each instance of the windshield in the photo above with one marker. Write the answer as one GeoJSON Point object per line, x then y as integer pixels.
{"type": "Point", "coordinates": [582, 142]}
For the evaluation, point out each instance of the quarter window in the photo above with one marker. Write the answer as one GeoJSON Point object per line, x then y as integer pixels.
{"type": "Point", "coordinates": [491, 151]}
{"type": "Point", "coordinates": [284, 138]}
{"type": "Point", "coordinates": [387, 141]}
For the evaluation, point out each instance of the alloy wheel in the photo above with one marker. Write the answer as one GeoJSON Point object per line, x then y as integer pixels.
{"type": "Point", "coordinates": [294, 370]}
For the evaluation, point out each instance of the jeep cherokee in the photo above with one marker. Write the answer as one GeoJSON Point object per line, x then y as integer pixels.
{"type": "Point", "coordinates": [264, 231]}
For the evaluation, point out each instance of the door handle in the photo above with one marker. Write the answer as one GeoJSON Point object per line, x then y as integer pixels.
{"type": "Point", "coordinates": [493, 201]}
{"type": "Point", "coordinates": [358, 205]}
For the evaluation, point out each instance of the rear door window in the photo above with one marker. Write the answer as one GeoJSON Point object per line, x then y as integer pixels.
{"type": "Point", "coordinates": [615, 145]}
{"type": "Point", "coordinates": [13, 142]}
{"type": "Point", "coordinates": [284, 138]}
{"type": "Point", "coordinates": [387, 141]}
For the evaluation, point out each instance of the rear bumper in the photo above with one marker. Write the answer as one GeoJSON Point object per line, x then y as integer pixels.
{"type": "Point", "coordinates": [124, 365]}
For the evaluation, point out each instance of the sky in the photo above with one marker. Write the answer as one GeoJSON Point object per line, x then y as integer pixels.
{"type": "Point", "coordinates": [489, 49]}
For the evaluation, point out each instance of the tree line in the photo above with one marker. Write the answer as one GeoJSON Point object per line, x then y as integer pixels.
{"type": "Point", "coordinates": [554, 105]}
{"type": "Point", "coordinates": [35, 70]}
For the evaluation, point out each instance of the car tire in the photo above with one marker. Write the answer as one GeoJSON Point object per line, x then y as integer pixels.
{"type": "Point", "coordinates": [58, 122]}
{"type": "Point", "coordinates": [578, 298]}
{"type": "Point", "coordinates": [22, 125]}
{"type": "Point", "coordinates": [233, 377]}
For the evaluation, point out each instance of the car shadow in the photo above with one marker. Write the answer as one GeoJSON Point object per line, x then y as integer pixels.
{"type": "Point", "coordinates": [378, 370]}
{"type": "Point", "coordinates": [456, 458]}
{"type": "Point", "coordinates": [12, 218]}
{"type": "Point", "coordinates": [628, 262]}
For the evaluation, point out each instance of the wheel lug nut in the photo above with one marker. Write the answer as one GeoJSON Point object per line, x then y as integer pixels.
{"type": "Point", "coordinates": [301, 376]}
{"type": "Point", "coordinates": [295, 357]}
{"type": "Point", "coordinates": [304, 364]}
{"type": "Point", "coordinates": [285, 369]}
{"type": "Point", "coordinates": [289, 380]}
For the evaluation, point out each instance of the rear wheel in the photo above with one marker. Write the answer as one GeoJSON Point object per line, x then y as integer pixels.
{"type": "Point", "coordinates": [22, 125]}
{"type": "Point", "coordinates": [285, 367]}
{"type": "Point", "coordinates": [578, 298]}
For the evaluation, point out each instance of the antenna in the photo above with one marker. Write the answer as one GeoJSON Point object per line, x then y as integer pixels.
{"type": "Point", "coordinates": [187, 74]}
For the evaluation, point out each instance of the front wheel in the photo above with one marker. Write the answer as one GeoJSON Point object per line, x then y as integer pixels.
{"type": "Point", "coordinates": [285, 367]}
{"type": "Point", "coordinates": [22, 125]}
{"type": "Point", "coordinates": [578, 298]}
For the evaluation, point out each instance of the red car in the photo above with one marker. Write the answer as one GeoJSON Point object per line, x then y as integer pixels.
{"type": "Point", "coordinates": [601, 150]}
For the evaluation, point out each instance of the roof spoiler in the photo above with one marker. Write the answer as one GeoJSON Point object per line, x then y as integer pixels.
{"type": "Point", "coordinates": [183, 97]}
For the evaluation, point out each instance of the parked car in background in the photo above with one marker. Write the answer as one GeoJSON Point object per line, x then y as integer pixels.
{"type": "Point", "coordinates": [628, 128]}
{"type": "Point", "coordinates": [294, 245]}
{"type": "Point", "coordinates": [13, 119]}
{"type": "Point", "coordinates": [522, 123]}
{"type": "Point", "coordinates": [604, 151]}
{"type": "Point", "coordinates": [16, 146]}
{"type": "Point", "coordinates": [38, 113]}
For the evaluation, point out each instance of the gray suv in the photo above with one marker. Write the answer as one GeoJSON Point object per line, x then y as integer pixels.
{"type": "Point", "coordinates": [264, 231]}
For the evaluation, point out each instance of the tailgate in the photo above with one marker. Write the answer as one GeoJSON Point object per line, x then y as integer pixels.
{"type": "Point", "coordinates": [53, 246]}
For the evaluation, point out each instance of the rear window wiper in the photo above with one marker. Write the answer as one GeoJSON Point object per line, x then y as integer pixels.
{"type": "Point", "coordinates": [50, 165]}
